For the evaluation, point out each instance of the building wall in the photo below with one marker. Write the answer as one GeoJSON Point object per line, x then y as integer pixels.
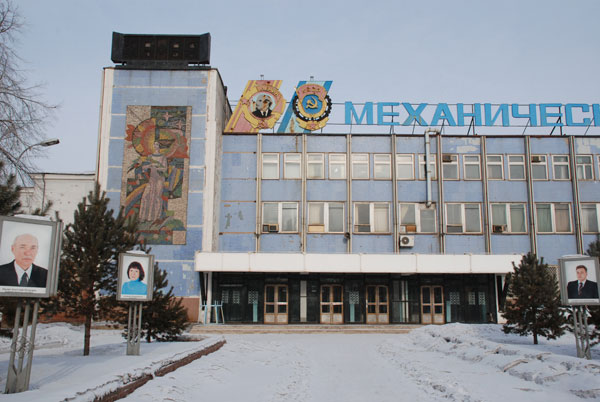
{"type": "Point", "coordinates": [204, 93]}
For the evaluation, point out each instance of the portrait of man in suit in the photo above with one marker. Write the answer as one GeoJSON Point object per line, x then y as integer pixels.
{"type": "Point", "coordinates": [263, 106]}
{"type": "Point", "coordinates": [582, 288]}
{"type": "Point", "coordinates": [22, 271]}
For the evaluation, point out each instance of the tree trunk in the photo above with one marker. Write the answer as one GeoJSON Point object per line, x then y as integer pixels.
{"type": "Point", "coordinates": [535, 341]}
{"type": "Point", "coordinates": [87, 334]}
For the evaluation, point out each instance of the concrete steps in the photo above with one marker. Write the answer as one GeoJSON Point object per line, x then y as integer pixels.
{"type": "Point", "coordinates": [300, 329]}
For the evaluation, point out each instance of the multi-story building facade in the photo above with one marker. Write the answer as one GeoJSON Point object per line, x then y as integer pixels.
{"type": "Point", "coordinates": [312, 226]}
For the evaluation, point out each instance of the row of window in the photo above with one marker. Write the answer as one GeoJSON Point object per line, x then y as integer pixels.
{"type": "Point", "coordinates": [405, 166]}
{"type": "Point", "coordinates": [373, 217]}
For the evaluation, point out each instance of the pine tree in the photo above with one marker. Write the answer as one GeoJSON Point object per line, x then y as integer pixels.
{"type": "Point", "coordinates": [9, 194]}
{"type": "Point", "coordinates": [88, 271]}
{"type": "Point", "coordinates": [594, 318]}
{"type": "Point", "coordinates": [164, 318]}
{"type": "Point", "coordinates": [533, 305]}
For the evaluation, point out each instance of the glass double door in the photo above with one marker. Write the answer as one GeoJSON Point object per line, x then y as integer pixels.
{"type": "Point", "coordinates": [332, 304]}
{"type": "Point", "coordinates": [276, 304]}
{"type": "Point", "coordinates": [377, 304]}
{"type": "Point", "coordinates": [432, 305]}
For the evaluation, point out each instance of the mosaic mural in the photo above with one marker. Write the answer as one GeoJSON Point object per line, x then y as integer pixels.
{"type": "Point", "coordinates": [155, 171]}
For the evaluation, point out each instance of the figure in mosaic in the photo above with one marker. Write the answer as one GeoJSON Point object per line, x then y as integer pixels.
{"type": "Point", "coordinates": [155, 174]}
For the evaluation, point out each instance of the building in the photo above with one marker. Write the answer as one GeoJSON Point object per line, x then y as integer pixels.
{"type": "Point", "coordinates": [280, 214]}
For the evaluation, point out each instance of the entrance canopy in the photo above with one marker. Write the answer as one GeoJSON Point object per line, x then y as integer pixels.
{"type": "Point", "coordinates": [357, 263]}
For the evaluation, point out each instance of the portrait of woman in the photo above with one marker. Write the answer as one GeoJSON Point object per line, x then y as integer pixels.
{"type": "Point", "coordinates": [135, 286]}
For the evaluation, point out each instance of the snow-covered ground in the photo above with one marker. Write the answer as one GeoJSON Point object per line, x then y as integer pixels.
{"type": "Point", "coordinates": [454, 362]}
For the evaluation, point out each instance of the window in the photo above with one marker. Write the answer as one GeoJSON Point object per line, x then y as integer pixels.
{"type": "Point", "coordinates": [463, 218]}
{"type": "Point", "coordinates": [432, 168]}
{"type": "Point", "coordinates": [270, 166]}
{"type": "Point", "coordinates": [337, 166]}
{"type": "Point", "coordinates": [450, 167]}
{"type": "Point", "coordinates": [472, 167]}
{"type": "Point", "coordinates": [405, 167]}
{"type": "Point", "coordinates": [280, 217]}
{"type": "Point", "coordinates": [516, 167]}
{"type": "Point", "coordinates": [325, 217]}
{"type": "Point", "coordinates": [589, 218]}
{"type": "Point", "coordinates": [553, 218]}
{"type": "Point", "coordinates": [292, 166]}
{"type": "Point", "coordinates": [495, 167]}
{"type": "Point", "coordinates": [416, 218]}
{"type": "Point", "coordinates": [371, 217]}
{"type": "Point", "coordinates": [315, 168]}
{"type": "Point", "coordinates": [585, 167]}
{"type": "Point", "coordinates": [539, 167]}
{"type": "Point", "coordinates": [560, 166]}
{"type": "Point", "coordinates": [382, 166]}
{"type": "Point", "coordinates": [508, 218]}
{"type": "Point", "coordinates": [360, 166]}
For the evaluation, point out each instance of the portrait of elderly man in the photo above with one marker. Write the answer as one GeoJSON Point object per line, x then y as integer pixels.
{"type": "Point", "coordinates": [582, 288]}
{"type": "Point", "coordinates": [22, 271]}
{"type": "Point", "coordinates": [263, 106]}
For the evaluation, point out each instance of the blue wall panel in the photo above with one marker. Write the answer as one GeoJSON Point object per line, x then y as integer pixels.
{"type": "Point", "coordinates": [113, 181]}
{"type": "Point", "coordinates": [196, 181]}
{"type": "Point", "coordinates": [117, 126]}
{"type": "Point", "coordinates": [238, 190]}
{"type": "Point", "coordinates": [197, 152]}
{"type": "Point", "coordinates": [415, 145]}
{"type": "Point", "coordinates": [416, 191]}
{"type": "Point", "coordinates": [509, 244]}
{"type": "Point", "coordinates": [552, 247]}
{"type": "Point", "coordinates": [505, 145]}
{"type": "Point", "coordinates": [283, 243]}
{"type": "Point", "coordinates": [239, 143]}
{"type": "Point", "coordinates": [424, 244]}
{"type": "Point", "coordinates": [326, 243]}
{"type": "Point", "coordinates": [507, 191]}
{"type": "Point", "coordinates": [460, 244]}
{"type": "Point", "coordinates": [332, 143]}
{"type": "Point", "coordinates": [463, 191]}
{"type": "Point", "coordinates": [372, 243]}
{"type": "Point", "coordinates": [370, 190]}
{"type": "Point", "coordinates": [546, 145]}
{"type": "Point", "coordinates": [552, 191]}
{"type": "Point", "coordinates": [281, 190]}
{"type": "Point", "coordinates": [195, 208]}
{"type": "Point", "coordinates": [286, 143]}
{"type": "Point", "coordinates": [237, 243]}
{"type": "Point", "coordinates": [115, 152]}
{"type": "Point", "coordinates": [238, 217]}
{"type": "Point", "coordinates": [326, 190]}
{"type": "Point", "coordinates": [239, 166]}
{"type": "Point", "coordinates": [372, 144]}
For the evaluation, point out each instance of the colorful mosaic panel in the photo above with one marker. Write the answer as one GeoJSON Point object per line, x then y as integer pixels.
{"type": "Point", "coordinates": [155, 171]}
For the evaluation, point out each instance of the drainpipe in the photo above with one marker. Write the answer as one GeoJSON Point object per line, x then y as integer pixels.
{"type": "Point", "coordinates": [576, 202]}
{"type": "Point", "coordinates": [258, 189]}
{"type": "Point", "coordinates": [304, 205]}
{"type": "Point", "coordinates": [532, 217]}
{"type": "Point", "coordinates": [440, 181]}
{"type": "Point", "coordinates": [349, 228]}
{"type": "Point", "coordinates": [427, 160]}
{"type": "Point", "coordinates": [395, 211]}
{"type": "Point", "coordinates": [486, 205]}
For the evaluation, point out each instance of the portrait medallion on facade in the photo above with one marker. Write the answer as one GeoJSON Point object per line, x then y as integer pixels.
{"type": "Point", "coordinates": [259, 108]}
{"type": "Point", "coordinates": [309, 108]}
{"type": "Point", "coordinates": [155, 171]}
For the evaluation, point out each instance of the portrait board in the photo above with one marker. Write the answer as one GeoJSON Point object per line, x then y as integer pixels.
{"type": "Point", "coordinates": [136, 277]}
{"type": "Point", "coordinates": [29, 256]}
{"type": "Point", "coordinates": [579, 280]}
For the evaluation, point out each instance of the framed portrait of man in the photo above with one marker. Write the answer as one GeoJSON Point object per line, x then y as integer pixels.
{"type": "Point", "coordinates": [29, 256]}
{"type": "Point", "coordinates": [136, 277]}
{"type": "Point", "coordinates": [579, 280]}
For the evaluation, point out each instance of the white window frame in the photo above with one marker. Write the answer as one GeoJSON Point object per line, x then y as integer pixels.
{"type": "Point", "coordinates": [263, 165]}
{"type": "Point", "coordinates": [596, 207]}
{"type": "Point", "coordinates": [514, 163]}
{"type": "Point", "coordinates": [432, 163]}
{"type": "Point", "coordinates": [318, 159]}
{"type": "Point", "coordinates": [556, 164]}
{"type": "Point", "coordinates": [371, 224]}
{"type": "Point", "coordinates": [583, 166]}
{"type": "Point", "coordinates": [463, 224]}
{"type": "Point", "coordinates": [314, 228]}
{"type": "Point", "coordinates": [410, 163]}
{"type": "Point", "coordinates": [468, 163]}
{"type": "Point", "coordinates": [404, 227]}
{"type": "Point", "coordinates": [453, 163]}
{"type": "Point", "coordinates": [384, 160]}
{"type": "Point", "coordinates": [290, 158]}
{"type": "Point", "coordinates": [280, 205]}
{"type": "Point", "coordinates": [508, 214]}
{"type": "Point", "coordinates": [553, 216]}
{"type": "Point", "coordinates": [365, 161]}
{"type": "Point", "coordinates": [544, 164]}
{"type": "Point", "coordinates": [341, 162]}
{"type": "Point", "coordinates": [495, 163]}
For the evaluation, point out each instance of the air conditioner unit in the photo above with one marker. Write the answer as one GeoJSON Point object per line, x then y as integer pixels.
{"type": "Point", "coordinates": [406, 241]}
{"type": "Point", "coordinates": [536, 159]}
{"type": "Point", "coordinates": [447, 158]}
{"type": "Point", "coordinates": [270, 228]}
{"type": "Point", "coordinates": [499, 228]}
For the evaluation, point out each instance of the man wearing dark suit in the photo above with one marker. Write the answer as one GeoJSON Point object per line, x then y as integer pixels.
{"type": "Point", "coordinates": [263, 107]}
{"type": "Point", "coordinates": [582, 288]}
{"type": "Point", "coordinates": [22, 271]}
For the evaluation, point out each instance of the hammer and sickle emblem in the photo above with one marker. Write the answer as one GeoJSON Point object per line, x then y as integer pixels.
{"type": "Point", "coordinates": [311, 103]}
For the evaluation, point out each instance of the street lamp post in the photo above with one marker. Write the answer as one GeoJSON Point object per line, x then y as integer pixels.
{"type": "Point", "coordinates": [45, 143]}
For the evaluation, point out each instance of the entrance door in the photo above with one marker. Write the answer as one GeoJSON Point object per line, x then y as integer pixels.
{"type": "Point", "coordinates": [276, 304]}
{"type": "Point", "coordinates": [432, 304]}
{"type": "Point", "coordinates": [332, 304]}
{"type": "Point", "coordinates": [377, 304]}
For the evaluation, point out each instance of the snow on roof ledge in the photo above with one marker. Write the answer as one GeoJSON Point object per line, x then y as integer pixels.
{"type": "Point", "coordinates": [356, 263]}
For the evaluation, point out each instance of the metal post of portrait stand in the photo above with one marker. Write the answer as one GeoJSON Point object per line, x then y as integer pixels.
{"type": "Point", "coordinates": [580, 329]}
{"type": "Point", "coordinates": [21, 348]}
{"type": "Point", "coordinates": [134, 329]}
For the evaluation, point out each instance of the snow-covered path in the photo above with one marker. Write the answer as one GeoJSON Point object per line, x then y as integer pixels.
{"type": "Point", "coordinates": [422, 366]}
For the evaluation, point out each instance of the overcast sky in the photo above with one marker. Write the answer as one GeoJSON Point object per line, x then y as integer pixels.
{"type": "Point", "coordinates": [512, 51]}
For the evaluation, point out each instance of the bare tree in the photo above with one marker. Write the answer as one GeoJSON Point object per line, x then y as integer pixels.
{"type": "Point", "coordinates": [23, 112]}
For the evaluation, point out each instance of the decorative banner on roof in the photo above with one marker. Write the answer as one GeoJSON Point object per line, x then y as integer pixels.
{"type": "Point", "coordinates": [259, 108]}
{"type": "Point", "coordinates": [310, 105]}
